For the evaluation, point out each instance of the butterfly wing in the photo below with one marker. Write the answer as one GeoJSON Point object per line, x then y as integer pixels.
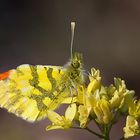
{"type": "Point", "coordinates": [29, 91]}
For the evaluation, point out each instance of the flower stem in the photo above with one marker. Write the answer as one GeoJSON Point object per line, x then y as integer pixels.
{"type": "Point", "coordinates": [106, 133]}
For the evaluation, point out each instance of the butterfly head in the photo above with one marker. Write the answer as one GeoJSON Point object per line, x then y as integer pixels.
{"type": "Point", "coordinates": [76, 60]}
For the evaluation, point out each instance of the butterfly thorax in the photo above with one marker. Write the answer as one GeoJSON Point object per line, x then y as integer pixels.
{"type": "Point", "coordinates": [74, 69]}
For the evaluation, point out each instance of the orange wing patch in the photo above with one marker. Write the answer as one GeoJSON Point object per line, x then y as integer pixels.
{"type": "Point", "coordinates": [4, 75]}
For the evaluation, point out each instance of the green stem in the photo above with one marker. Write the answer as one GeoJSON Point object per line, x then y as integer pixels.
{"type": "Point", "coordinates": [106, 133]}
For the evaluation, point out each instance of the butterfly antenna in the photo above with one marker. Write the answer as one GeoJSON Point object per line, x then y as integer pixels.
{"type": "Point", "coordinates": [72, 37]}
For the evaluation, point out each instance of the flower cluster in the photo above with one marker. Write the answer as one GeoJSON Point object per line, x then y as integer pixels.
{"type": "Point", "coordinates": [104, 105]}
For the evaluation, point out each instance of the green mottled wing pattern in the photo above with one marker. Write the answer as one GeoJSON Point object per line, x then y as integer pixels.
{"type": "Point", "coordinates": [29, 91]}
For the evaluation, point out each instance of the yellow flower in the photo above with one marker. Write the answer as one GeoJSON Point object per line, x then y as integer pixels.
{"type": "Point", "coordinates": [134, 109]}
{"type": "Point", "coordinates": [95, 81]}
{"type": "Point", "coordinates": [62, 122]}
{"type": "Point", "coordinates": [132, 128]}
{"type": "Point", "coordinates": [83, 115]}
{"type": "Point", "coordinates": [127, 101]}
{"type": "Point", "coordinates": [91, 94]}
{"type": "Point", "coordinates": [103, 112]}
{"type": "Point", "coordinates": [92, 99]}
{"type": "Point", "coordinates": [118, 94]}
{"type": "Point", "coordinates": [121, 96]}
{"type": "Point", "coordinates": [81, 90]}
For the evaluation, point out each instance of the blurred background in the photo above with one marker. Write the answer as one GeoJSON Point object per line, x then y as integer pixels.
{"type": "Point", "coordinates": [38, 32]}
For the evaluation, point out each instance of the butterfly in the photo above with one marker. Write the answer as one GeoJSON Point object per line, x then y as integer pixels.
{"type": "Point", "coordinates": [30, 90]}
